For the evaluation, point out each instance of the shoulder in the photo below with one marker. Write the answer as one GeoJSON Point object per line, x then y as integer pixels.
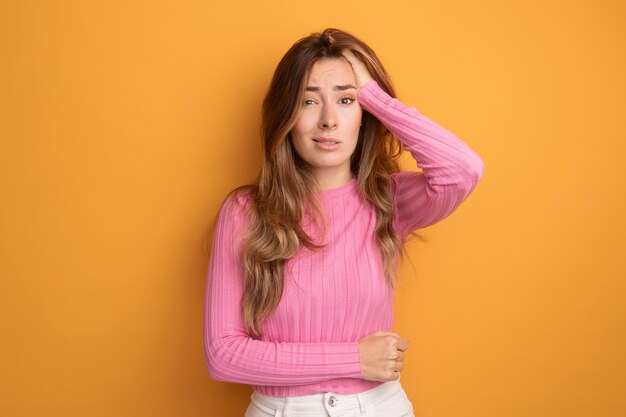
{"type": "Point", "coordinates": [235, 209]}
{"type": "Point", "coordinates": [240, 197]}
{"type": "Point", "coordinates": [237, 205]}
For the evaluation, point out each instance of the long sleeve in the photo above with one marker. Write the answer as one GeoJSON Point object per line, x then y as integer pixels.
{"type": "Point", "coordinates": [451, 170]}
{"type": "Point", "coordinates": [231, 354]}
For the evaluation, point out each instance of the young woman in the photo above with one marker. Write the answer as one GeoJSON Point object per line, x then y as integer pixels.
{"type": "Point", "coordinates": [299, 299]}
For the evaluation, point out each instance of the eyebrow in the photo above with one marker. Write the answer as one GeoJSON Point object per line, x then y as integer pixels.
{"type": "Point", "coordinates": [337, 87]}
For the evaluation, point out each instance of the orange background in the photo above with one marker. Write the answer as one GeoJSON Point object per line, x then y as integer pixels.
{"type": "Point", "coordinates": [124, 123]}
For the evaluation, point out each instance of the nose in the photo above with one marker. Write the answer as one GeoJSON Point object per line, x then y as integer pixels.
{"type": "Point", "coordinates": [328, 118]}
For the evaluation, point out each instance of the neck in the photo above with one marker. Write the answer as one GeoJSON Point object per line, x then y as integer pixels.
{"type": "Point", "coordinates": [328, 179]}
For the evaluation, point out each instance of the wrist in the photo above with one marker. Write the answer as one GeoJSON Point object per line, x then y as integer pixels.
{"type": "Point", "coordinates": [365, 82]}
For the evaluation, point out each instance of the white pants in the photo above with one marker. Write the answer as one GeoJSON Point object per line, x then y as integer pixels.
{"type": "Point", "coordinates": [388, 400]}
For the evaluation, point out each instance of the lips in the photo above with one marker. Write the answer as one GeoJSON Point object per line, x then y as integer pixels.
{"type": "Point", "coordinates": [329, 141]}
{"type": "Point", "coordinates": [326, 144]}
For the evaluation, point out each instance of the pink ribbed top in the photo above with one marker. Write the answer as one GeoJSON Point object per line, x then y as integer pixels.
{"type": "Point", "coordinates": [334, 296]}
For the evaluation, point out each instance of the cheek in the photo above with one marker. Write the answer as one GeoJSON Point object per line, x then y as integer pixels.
{"type": "Point", "coordinates": [296, 133]}
{"type": "Point", "coordinates": [304, 120]}
{"type": "Point", "coordinates": [299, 143]}
{"type": "Point", "coordinates": [356, 119]}
{"type": "Point", "coordinates": [355, 124]}
{"type": "Point", "coordinates": [296, 141]}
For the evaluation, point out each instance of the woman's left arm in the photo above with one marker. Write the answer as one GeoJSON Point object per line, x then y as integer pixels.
{"type": "Point", "coordinates": [451, 169]}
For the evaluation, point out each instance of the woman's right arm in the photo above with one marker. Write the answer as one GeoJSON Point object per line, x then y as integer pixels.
{"type": "Point", "coordinates": [231, 354]}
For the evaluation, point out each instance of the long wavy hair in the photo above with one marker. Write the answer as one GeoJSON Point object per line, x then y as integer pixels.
{"type": "Point", "coordinates": [286, 189]}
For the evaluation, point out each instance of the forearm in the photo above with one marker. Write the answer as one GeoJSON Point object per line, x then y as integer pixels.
{"type": "Point", "coordinates": [451, 169]}
{"type": "Point", "coordinates": [244, 360]}
{"type": "Point", "coordinates": [444, 158]}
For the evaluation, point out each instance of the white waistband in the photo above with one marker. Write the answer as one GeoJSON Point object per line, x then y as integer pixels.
{"type": "Point", "coordinates": [327, 401]}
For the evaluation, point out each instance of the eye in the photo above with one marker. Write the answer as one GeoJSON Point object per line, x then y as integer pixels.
{"type": "Point", "coordinates": [308, 101]}
{"type": "Point", "coordinates": [343, 100]}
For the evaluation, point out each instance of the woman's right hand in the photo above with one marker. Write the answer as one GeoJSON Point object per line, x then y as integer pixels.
{"type": "Point", "coordinates": [382, 355]}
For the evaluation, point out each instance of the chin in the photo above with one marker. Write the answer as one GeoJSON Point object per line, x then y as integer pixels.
{"type": "Point", "coordinates": [327, 165]}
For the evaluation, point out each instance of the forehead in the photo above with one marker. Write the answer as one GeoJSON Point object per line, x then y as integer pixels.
{"type": "Point", "coordinates": [331, 70]}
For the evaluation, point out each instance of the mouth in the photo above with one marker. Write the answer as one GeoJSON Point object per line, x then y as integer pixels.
{"type": "Point", "coordinates": [328, 141]}
{"type": "Point", "coordinates": [326, 144]}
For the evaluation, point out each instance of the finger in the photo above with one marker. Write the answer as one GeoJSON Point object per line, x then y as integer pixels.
{"type": "Point", "coordinates": [348, 54]}
{"type": "Point", "coordinates": [356, 63]}
{"type": "Point", "coordinates": [403, 344]}
{"type": "Point", "coordinates": [399, 356]}
{"type": "Point", "coordinates": [386, 333]}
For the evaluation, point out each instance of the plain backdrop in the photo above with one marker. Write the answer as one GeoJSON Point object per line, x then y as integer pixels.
{"type": "Point", "coordinates": [123, 124]}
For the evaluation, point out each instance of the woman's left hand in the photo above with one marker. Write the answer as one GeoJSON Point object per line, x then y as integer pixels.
{"type": "Point", "coordinates": [361, 73]}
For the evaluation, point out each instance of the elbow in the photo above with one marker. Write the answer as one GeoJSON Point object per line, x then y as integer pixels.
{"type": "Point", "coordinates": [216, 368]}
{"type": "Point", "coordinates": [477, 170]}
{"type": "Point", "coordinates": [216, 374]}
{"type": "Point", "coordinates": [472, 174]}
{"type": "Point", "coordinates": [211, 358]}
{"type": "Point", "coordinates": [213, 374]}
{"type": "Point", "coordinates": [474, 170]}
{"type": "Point", "coordinates": [219, 367]}
{"type": "Point", "coordinates": [212, 362]}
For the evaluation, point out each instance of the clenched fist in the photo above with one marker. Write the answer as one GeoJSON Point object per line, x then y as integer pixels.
{"type": "Point", "coordinates": [382, 356]}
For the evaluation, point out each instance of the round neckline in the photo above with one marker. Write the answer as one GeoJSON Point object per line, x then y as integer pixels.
{"type": "Point", "coordinates": [347, 187]}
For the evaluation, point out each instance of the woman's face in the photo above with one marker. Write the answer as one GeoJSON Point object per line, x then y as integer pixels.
{"type": "Point", "coordinates": [328, 119]}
